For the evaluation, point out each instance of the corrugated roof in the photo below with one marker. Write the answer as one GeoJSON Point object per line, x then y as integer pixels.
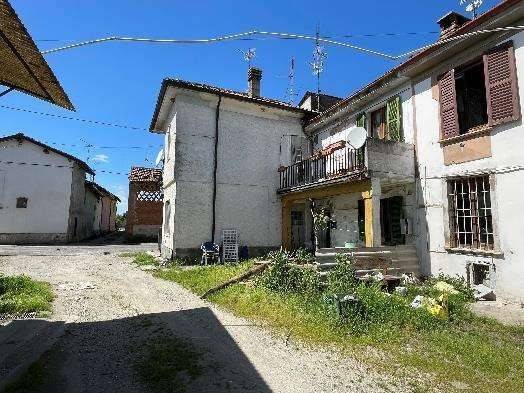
{"type": "Point", "coordinates": [21, 136]}
{"type": "Point", "coordinates": [22, 65]}
{"type": "Point", "coordinates": [142, 174]}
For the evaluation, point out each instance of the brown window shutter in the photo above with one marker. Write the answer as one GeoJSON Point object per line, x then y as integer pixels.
{"type": "Point", "coordinates": [501, 84]}
{"type": "Point", "coordinates": [449, 124]}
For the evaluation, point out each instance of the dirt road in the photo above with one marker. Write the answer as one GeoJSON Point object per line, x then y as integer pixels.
{"type": "Point", "coordinates": [114, 311]}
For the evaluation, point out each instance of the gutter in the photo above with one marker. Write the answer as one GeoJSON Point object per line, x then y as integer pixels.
{"type": "Point", "coordinates": [215, 167]}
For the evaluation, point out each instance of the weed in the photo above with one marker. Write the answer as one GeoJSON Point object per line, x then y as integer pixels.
{"type": "Point", "coordinates": [168, 361]}
{"type": "Point", "coordinates": [31, 380]}
{"type": "Point", "coordinates": [21, 294]}
{"type": "Point", "coordinates": [141, 258]}
{"type": "Point", "coordinates": [464, 348]}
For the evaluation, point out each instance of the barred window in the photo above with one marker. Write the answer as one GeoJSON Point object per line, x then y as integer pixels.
{"type": "Point", "coordinates": [470, 219]}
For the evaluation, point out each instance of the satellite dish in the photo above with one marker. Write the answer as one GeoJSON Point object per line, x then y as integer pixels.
{"type": "Point", "coordinates": [159, 157]}
{"type": "Point", "coordinates": [356, 137]}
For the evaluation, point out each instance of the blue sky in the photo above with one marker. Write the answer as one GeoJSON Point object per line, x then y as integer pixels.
{"type": "Point", "coordinates": [119, 82]}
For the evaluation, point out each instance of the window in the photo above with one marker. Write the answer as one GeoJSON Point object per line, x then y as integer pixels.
{"type": "Point", "coordinates": [484, 92]}
{"type": "Point", "coordinates": [470, 219]}
{"type": "Point", "coordinates": [386, 122]}
{"type": "Point", "coordinates": [21, 203]}
{"type": "Point", "coordinates": [471, 97]}
{"type": "Point", "coordinates": [378, 123]}
{"type": "Point", "coordinates": [361, 120]}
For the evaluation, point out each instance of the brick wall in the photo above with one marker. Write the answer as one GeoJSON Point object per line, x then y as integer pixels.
{"type": "Point", "coordinates": [141, 213]}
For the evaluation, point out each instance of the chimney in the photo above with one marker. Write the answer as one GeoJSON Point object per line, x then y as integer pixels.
{"type": "Point", "coordinates": [254, 75]}
{"type": "Point", "coordinates": [450, 22]}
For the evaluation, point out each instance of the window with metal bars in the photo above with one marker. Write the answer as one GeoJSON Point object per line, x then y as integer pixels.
{"type": "Point", "coordinates": [470, 219]}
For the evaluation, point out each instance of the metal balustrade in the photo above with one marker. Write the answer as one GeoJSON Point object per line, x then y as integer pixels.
{"type": "Point", "coordinates": [322, 167]}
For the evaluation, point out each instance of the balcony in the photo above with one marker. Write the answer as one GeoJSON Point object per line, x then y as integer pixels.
{"type": "Point", "coordinates": [336, 163]}
{"type": "Point", "coordinates": [388, 160]}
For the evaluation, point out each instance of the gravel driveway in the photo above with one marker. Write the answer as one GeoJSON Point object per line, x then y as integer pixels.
{"type": "Point", "coordinates": [112, 310]}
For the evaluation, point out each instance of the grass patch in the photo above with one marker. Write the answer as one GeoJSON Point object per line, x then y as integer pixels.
{"type": "Point", "coordinates": [168, 363]}
{"type": "Point", "coordinates": [463, 349]}
{"type": "Point", "coordinates": [141, 258]}
{"type": "Point", "coordinates": [30, 381]}
{"type": "Point", "coordinates": [200, 279]}
{"type": "Point", "coordinates": [21, 294]}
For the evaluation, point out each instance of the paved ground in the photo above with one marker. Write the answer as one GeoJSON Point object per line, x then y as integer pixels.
{"type": "Point", "coordinates": [112, 310]}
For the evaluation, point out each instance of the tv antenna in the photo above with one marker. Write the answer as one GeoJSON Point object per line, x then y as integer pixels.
{"type": "Point", "coordinates": [249, 55]}
{"type": "Point", "coordinates": [290, 93]}
{"type": "Point", "coordinates": [319, 56]}
{"type": "Point", "coordinates": [472, 6]}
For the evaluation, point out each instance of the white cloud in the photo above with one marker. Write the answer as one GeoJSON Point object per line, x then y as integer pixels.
{"type": "Point", "coordinates": [100, 158]}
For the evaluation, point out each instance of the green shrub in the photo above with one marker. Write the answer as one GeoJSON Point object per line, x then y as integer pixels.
{"type": "Point", "coordinates": [303, 256]}
{"type": "Point", "coordinates": [281, 276]}
{"type": "Point", "coordinates": [341, 280]}
{"type": "Point", "coordinates": [377, 309]}
{"type": "Point", "coordinates": [21, 294]}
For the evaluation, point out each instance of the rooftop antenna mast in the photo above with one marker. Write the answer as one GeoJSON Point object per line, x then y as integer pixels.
{"type": "Point", "coordinates": [249, 55]}
{"type": "Point", "coordinates": [291, 94]}
{"type": "Point", "coordinates": [88, 146]}
{"type": "Point", "coordinates": [472, 6]}
{"type": "Point", "coordinates": [319, 56]}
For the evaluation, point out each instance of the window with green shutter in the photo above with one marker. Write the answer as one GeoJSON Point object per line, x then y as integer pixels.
{"type": "Point", "coordinates": [394, 119]}
{"type": "Point", "coordinates": [361, 120]}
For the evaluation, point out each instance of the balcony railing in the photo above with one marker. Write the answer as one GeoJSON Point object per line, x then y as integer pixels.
{"type": "Point", "coordinates": [322, 167]}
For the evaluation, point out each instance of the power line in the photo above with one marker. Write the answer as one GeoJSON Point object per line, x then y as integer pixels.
{"type": "Point", "coordinates": [256, 34]}
{"type": "Point", "coordinates": [104, 147]}
{"type": "Point", "coordinates": [99, 122]}
{"type": "Point", "coordinates": [362, 35]}
{"type": "Point", "coordinates": [59, 166]}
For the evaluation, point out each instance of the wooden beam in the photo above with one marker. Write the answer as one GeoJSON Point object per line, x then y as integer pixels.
{"type": "Point", "coordinates": [332, 190]}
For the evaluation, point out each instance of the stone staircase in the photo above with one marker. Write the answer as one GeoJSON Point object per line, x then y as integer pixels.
{"type": "Point", "coordinates": [399, 259]}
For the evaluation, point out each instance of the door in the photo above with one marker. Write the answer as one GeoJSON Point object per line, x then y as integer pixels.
{"type": "Point", "coordinates": [298, 230]}
{"type": "Point", "coordinates": [391, 215]}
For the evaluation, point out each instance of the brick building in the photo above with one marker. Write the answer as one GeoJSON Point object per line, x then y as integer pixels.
{"type": "Point", "coordinates": [144, 212]}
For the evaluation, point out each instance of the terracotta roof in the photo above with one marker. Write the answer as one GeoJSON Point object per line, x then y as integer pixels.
{"type": "Point", "coordinates": [141, 174]}
{"type": "Point", "coordinates": [21, 137]}
{"type": "Point", "coordinates": [391, 74]}
{"type": "Point", "coordinates": [101, 191]}
{"type": "Point", "coordinates": [243, 96]}
{"type": "Point", "coordinates": [23, 66]}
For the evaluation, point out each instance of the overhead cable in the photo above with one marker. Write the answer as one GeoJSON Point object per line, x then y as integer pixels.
{"type": "Point", "coordinates": [256, 33]}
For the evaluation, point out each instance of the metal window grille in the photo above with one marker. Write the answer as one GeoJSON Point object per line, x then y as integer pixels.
{"type": "Point", "coordinates": [471, 222]}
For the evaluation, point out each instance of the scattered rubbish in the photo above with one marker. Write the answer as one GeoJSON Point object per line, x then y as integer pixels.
{"type": "Point", "coordinates": [434, 307]}
{"type": "Point", "coordinates": [403, 291]}
{"type": "Point", "coordinates": [417, 302]}
{"type": "Point", "coordinates": [483, 292]}
{"type": "Point", "coordinates": [408, 279]}
{"type": "Point", "coordinates": [443, 286]}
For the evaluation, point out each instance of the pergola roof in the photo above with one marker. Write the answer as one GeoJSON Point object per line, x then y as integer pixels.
{"type": "Point", "coordinates": [22, 66]}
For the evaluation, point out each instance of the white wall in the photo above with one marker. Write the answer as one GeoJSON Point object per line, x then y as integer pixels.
{"type": "Point", "coordinates": [247, 177]}
{"type": "Point", "coordinates": [506, 146]}
{"type": "Point", "coordinates": [48, 190]}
